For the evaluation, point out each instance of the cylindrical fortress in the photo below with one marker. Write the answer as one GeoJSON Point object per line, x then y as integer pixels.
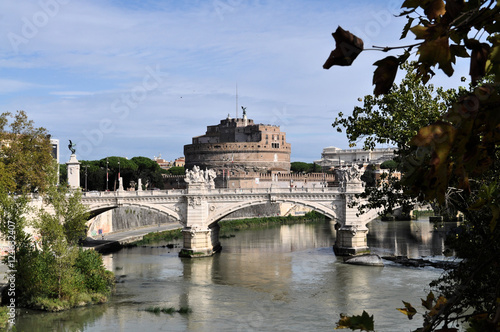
{"type": "Point", "coordinates": [240, 145]}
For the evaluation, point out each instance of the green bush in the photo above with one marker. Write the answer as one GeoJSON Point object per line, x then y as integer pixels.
{"type": "Point", "coordinates": [96, 278]}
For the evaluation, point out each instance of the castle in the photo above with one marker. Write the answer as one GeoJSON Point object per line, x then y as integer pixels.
{"type": "Point", "coordinates": [240, 146]}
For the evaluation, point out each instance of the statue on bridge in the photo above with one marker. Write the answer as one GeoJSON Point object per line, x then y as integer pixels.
{"type": "Point", "coordinates": [71, 147]}
{"type": "Point", "coordinates": [197, 175]}
{"type": "Point", "coordinates": [349, 175]}
{"type": "Point", "coordinates": [354, 174]}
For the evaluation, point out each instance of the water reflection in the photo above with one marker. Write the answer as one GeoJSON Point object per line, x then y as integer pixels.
{"type": "Point", "coordinates": [415, 238]}
{"type": "Point", "coordinates": [80, 319]}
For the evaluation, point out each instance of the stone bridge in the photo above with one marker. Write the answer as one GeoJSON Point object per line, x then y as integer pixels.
{"type": "Point", "coordinates": [199, 208]}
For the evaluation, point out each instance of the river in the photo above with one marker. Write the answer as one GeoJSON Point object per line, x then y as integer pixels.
{"type": "Point", "coordinates": [281, 278]}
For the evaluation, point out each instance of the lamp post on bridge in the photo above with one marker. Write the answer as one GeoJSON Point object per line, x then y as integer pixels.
{"type": "Point", "coordinates": [86, 177]}
{"type": "Point", "coordinates": [107, 174]}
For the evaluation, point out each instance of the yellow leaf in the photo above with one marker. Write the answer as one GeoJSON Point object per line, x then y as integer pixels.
{"type": "Point", "coordinates": [408, 310]}
{"type": "Point", "coordinates": [419, 31]}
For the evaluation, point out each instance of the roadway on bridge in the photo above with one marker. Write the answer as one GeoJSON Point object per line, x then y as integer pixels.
{"type": "Point", "coordinates": [114, 241]}
{"type": "Point", "coordinates": [123, 236]}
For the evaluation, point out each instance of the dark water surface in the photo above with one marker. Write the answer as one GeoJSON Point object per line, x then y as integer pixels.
{"type": "Point", "coordinates": [284, 278]}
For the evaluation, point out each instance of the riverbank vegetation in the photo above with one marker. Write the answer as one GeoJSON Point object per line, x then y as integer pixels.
{"type": "Point", "coordinates": [245, 223]}
{"type": "Point", "coordinates": [448, 147]}
{"type": "Point", "coordinates": [46, 268]}
{"type": "Point", "coordinates": [155, 237]}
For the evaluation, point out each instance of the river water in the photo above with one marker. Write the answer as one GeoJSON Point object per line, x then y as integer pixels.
{"type": "Point", "coordinates": [282, 278]}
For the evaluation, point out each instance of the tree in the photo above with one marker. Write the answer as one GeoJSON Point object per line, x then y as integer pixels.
{"type": "Point", "coordinates": [301, 167]}
{"type": "Point", "coordinates": [394, 118]}
{"type": "Point", "coordinates": [454, 159]}
{"type": "Point", "coordinates": [47, 264]}
{"type": "Point", "coordinates": [149, 171]}
{"type": "Point", "coordinates": [130, 170]}
{"type": "Point", "coordinates": [176, 171]}
{"type": "Point", "coordinates": [26, 154]}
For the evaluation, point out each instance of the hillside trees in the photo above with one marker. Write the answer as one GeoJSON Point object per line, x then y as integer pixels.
{"type": "Point", "coordinates": [454, 159]}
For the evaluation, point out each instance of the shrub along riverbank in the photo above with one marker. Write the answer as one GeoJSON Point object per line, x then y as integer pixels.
{"type": "Point", "coordinates": [239, 224]}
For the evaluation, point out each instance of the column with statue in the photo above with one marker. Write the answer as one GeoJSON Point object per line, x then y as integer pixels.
{"type": "Point", "coordinates": [73, 168]}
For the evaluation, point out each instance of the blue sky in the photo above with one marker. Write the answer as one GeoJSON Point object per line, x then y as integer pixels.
{"type": "Point", "coordinates": [141, 78]}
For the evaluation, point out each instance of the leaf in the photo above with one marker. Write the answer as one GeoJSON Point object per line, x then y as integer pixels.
{"type": "Point", "coordinates": [439, 137]}
{"type": "Point", "coordinates": [434, 8]}
{"type": "Point", "coordinates": [478, 58]}
{"type": "Point", "coordinates": [427, 304]}
{"type": "Point", "coordinates": [459, 50]}
{"type": "Point", "coordinates": [419, 31]}
{"type": "Point", "coordinates": [384, 75]}
{"type": "Point", "coordinates": [347, 48]}
{"type": "Point", "coordinates": [437, 51]}
{"type": "Point", "coordinates": [408, 310]}
{"type": "Point", "coordinates": [364, 322]}
{"type": "Point", "coordinates": [407, 27]}
{"type": "Point", "coordinates": [441, 301]}
{"type": "Point", "coordinates": [453, 8]}
{"type": "Point", "coordinates": [411, 4]}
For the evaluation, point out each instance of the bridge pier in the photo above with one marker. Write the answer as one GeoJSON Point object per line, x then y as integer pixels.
{"type": "Point", "coordinates": [351, 240]}
{"type": "Point", "coordinates": [351, 235]}
{"type": "Point", "coordinates": [199, 242]}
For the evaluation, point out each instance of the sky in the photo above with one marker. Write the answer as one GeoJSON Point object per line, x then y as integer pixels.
{"type": "Point", "coordinates": [141, 78]}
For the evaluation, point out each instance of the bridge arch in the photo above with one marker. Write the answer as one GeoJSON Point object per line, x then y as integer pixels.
{"type": "Point", "coordinates": [95, 210]}
{"type": "Point", "coordinates": [228, 209]}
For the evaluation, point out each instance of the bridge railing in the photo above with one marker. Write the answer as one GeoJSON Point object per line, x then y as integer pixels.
{"type": "Point", "coordinates": [176, 192]}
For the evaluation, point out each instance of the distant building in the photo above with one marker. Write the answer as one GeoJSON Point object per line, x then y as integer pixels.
{"type": "Point", "coordinates": [334, 157]}
{"type": "Point", "coordinates": [180, 162]}
{"type": "Point", "coordinates": [239, 146]}
{"type": "Point", "coordinates": [165, 164]}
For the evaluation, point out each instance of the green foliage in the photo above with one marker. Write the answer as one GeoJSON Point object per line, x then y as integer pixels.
{"type": "Point", "coordinates": [394, 118]}
{"type": "Point", "coordinates": [44, 267]}
{"type": "Point", "coordinates": [26, 155]}
{"type": "Point", "coordinates": [238, 224]}
{"type": "Point", "coordinates": [158, 237]}
{"type": "Point", "coordinates": [96, 279]}
{"type": "Point", "coordinates": [176, 171]}
{"type": "Point", "coordinates": [4, 318]}
{"type": "Point", "coordinates": [96, 172]}
{"type": "Point", "coordinates": [368, 177]}
{"type": "Point", "coordinates": [389, 164]}
{"type": "Point", "coordinates": [301, 167]}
